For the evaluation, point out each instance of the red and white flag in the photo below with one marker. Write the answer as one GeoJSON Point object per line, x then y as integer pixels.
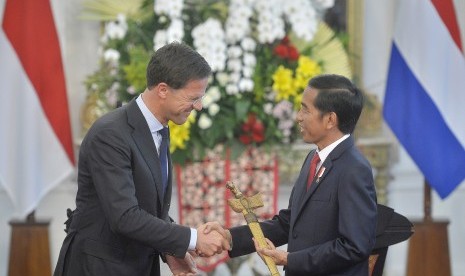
{"type": "Point", "coordinates": [36, 151]}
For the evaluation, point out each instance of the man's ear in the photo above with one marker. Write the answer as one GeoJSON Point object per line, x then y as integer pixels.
{"type": "Point", "coordinates": [331, 120]}
{"type": "Point", "coordinates": [161, 89]}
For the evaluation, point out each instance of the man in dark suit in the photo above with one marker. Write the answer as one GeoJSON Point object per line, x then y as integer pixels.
{"type": "Point", "coordinates": [330, 223]}
{"type": "Point", "coordinates": [121, 225]}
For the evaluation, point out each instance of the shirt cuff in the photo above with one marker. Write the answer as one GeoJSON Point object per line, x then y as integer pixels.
{"type": "Point", "coordinates": [193, 241]}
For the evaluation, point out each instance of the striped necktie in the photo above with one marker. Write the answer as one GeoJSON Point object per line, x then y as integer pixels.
{"type": "Point", "coordinates": [313, 164]}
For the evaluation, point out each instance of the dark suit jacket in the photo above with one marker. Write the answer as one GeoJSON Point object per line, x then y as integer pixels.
{"type": "Point", "coordinates": [121, 222]}
{"type": "Point", "coordinates": [330, 229]}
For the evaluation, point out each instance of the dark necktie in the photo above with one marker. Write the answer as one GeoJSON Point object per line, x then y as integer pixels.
{"type": "Point", "coordinates": [313, 164]}
{"type": "Point", "coordinates": [165, 136]}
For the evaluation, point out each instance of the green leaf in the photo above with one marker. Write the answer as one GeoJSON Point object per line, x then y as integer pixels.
{"type": "Point", "coordinates": [135, 70]}
{"type": "Point", "coordinates": [242, 108]}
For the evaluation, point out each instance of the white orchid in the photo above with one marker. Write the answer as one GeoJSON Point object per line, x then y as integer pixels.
{"type": "Point", "coordinates": [204, 121]}
{"type": "Point", "coordinates": [159, 39]}
{"type": "Point", "coordinates": [116, 29]}
{"type": "Point", "coordinates": [213, 109]}
{"type": "Point", "coordinates": [214, 93]}
{"type": "Point", "coordinates": [209, 42]}
{"type": "Point", "coordinates": [111, 55]}
{"type": "Point", "coordinates": [175, 31]}
{"type": "Point", "coordinates": [246, 85]}
{"type": "Point", "coordinates": [232, 89]}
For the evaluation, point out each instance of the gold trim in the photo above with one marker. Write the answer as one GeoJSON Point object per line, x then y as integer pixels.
{"type": "Point", "coordinates": [355, 12]}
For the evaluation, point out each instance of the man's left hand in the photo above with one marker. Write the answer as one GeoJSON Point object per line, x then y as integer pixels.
{"type": "Point", "coordinates": [182, 267]}
{"type": "Point", "coordinates": [279, 256]}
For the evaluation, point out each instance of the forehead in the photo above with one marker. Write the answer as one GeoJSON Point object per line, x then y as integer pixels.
{"type": "Point", "coordinates": [196, 84]}
{"type": "Point", "coordinates": [309, 96]}
{"type": "Point", "coordinates": [194, 88]}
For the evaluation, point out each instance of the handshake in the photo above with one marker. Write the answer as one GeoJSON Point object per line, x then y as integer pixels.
{"type": "Point", "coordinates": [212, 239]}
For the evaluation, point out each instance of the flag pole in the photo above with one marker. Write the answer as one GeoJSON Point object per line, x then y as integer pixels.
{"type": "Point", "coordinates": [428, 251]}
{"type": "Point", "coordinates": [427, 202]}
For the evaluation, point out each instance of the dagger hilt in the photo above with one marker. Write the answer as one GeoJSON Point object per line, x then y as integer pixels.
{"type": "Point", "coordinates": [237, 194]}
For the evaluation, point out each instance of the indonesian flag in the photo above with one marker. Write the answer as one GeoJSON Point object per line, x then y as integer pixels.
{"type": "Point", "coordinates": [425, 92]}
{"type": "Point", "coordinates": [36, 151]}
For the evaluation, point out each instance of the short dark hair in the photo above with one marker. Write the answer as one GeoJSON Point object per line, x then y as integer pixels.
{"type": "Point", "coordinates": [339, 95]}
{"type": "Point", "coordinates": [176, 64]}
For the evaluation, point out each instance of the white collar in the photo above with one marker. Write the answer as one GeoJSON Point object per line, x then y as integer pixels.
{"type": "Point", "coordinates": [324, 153]}
{"type": "Point", "coordinates": [154, 124]}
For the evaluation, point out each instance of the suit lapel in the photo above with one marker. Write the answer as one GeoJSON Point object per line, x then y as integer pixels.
{"type": "Point", "coordinates": [167, 197]}
{"type": "Point", "coordinates": [322, 173]}
{"type": "Point", "coordinates": [144, 141]}
{"type": "Point", "coordinates": [317, 181]}
{"type": "Point", "coordinates": [301, 183]}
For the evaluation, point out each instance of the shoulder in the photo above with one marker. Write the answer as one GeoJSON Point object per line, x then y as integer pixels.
{"type": "Point", "coordinates": [352, 164]}
{"type": "Point", "coordinates": [113, 125]}
{"type": "Point", "coordinates": [349, 155]}
{"type": "Point", "coordinates": [357, 157]}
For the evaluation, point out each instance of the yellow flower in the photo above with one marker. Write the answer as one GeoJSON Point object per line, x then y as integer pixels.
{"type": "Point", "coordinates": [180, 134]}
{"type": "Point", "coordinates": [283, 84]}
{"type": "Point", "coordinates": [307, 68]}
{"type": "Point", "coordinates": [287, 87]}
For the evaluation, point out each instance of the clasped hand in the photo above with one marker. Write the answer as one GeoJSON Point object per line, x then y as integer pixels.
{"type": "Point", "coordinates": [212, 239]}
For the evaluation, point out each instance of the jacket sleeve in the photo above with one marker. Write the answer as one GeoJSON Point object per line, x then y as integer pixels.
{"type": "Point", "coordinates": [276, 230]}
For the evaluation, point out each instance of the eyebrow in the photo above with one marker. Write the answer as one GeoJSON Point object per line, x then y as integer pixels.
{"type": "Point", "coordinates": [198, 98]}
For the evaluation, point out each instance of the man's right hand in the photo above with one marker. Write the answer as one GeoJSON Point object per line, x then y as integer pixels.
{"type": "Point", "coordinates": [212, 239]}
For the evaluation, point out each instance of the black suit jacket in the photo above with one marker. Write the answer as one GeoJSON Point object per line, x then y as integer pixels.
{"type": "Point", "coordinates": [329, 229]}
{"type": "Point", "coordinates": [121, 222]}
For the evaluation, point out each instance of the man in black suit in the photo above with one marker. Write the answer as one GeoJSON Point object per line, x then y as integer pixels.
{"type": "Point", "coordinates": [121, 225]}
{"type": "Point", "coordinates": [330, 223]}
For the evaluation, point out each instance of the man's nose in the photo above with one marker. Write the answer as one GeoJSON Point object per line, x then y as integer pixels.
{"type": "Point", "coordinates": [197, 105]}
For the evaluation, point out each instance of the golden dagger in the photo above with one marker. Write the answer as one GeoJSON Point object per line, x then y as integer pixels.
{"type": "Point", "coordinates": [245, 205]}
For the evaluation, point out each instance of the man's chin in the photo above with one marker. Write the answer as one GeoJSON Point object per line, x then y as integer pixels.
{"type": "Point", "coordinates": [180, 120]}
{"type": "Point", "coordinates": [307, 139]}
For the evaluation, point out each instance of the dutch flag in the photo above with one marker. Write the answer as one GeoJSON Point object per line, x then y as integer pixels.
{"type": "Point", "coordinates": [425, 94]}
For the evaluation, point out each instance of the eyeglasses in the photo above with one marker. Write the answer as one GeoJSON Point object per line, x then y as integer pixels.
{"type": "Point", "coordinates": [197, 101]}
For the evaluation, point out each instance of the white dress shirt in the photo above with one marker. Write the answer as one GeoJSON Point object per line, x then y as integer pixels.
{"type": "Point", "coordinates": [324, 153]}
{"type": "Point", "coordinates": [155, 126]}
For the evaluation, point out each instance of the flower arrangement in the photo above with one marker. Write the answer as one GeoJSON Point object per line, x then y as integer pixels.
{"type": "Point", "coordinates": [262, 54]}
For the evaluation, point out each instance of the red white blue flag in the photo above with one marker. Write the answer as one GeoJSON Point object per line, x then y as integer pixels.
{"type": "Point", "coordinates": [425, 94]}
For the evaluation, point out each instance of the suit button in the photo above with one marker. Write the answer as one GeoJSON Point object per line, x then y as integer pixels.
{"type": "Point", "coordinates": [294, 235]}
